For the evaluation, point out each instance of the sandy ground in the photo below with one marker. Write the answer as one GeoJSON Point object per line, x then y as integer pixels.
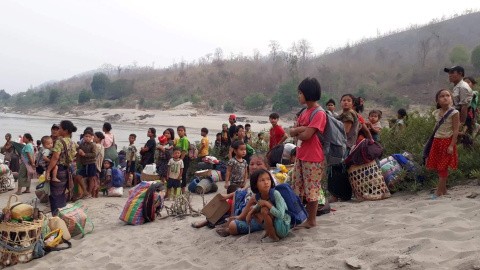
{"type": "Point", "coordinates": [406, 231]}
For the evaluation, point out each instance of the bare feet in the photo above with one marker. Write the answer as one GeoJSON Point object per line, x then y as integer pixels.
{"type": "Point", "coordinates": [55, 180]}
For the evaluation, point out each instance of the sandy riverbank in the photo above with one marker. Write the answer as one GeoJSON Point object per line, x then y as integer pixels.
{"type": "Point", "coordinates": [406, 231]}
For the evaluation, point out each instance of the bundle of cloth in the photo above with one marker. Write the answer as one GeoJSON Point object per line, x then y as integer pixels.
{"type": "Point", "coordinates": [393, 166]}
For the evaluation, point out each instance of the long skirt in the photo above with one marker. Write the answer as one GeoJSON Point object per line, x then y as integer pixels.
{"type": "Point", "coordinates": [58, 198]}
{"type": "Point", "coordinates": [24, 177]}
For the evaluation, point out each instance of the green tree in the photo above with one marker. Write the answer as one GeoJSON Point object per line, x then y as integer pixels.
{"type": "Point", "coordinates": [84, 96]}
{"type": "Point", "coordinates": [4, 95]}
{"type": "Point", "coordinates": [458, 55]}
{"type": "Point", "coordinates": [475, 58]}
{"type": "Point", "coordinates": [53, 96]}
{"type": "Point", "coordinates": [118, 89]}
{"type": "Point", "coordinates": [228, 107]}
{"type": "Point", "coordinates": [255, 101]}
{"type": "Point", "coordinates": [195, 99]}
{"type": "Point", "coordinates": [286, 97]}
{"type": "Point", "coordinates": [99, 84]}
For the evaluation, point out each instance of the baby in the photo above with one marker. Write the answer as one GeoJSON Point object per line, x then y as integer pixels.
{"type": "Point", "coordinates": [47, 153]}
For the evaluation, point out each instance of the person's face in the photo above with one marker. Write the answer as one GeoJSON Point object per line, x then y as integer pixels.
{"type": "Point", "coordinates": [301, 97]}
{"type": "Point", "coordinates": [241, 151]}
{"type": "Point", "coordinates": [62, 132]}
{"type": "Point", "coordinates": [7, 138]}
{"type": "Point", "coordinates": [48, 144]}
{"type": "Point", "coordinates": [264, 183]}
{"type": "Point", "coordinates": [444, 98]}
{"type": "Point", "coordinates": [181, 132]}
{"type": "Point", "coordinates": [219, 137]}
{"type": "Point", "coordinates": [256, 164]}
{"type": "Point", "coordinates": [347, 103]}
{"type": "Point", "coordinates": [469, 83]}
{"type": "Point", "coordinates": [203, 134]}
{"type": "Point", "coordinates": [167, 134]}
{"type": "Point", "coordinates": [106, 164]}
{"type": "Point", "coordinates": [241, 133]}
{"type": "Point", "coordinates": [176, 154]}
{"type": "Point", "coordinates": [96, 139]}
{"type": "Point", "coordinates": [373, 118]}
{"type": "Point", "coordinates": [25, 140]}
{"type": "Point", "coordinates": [273, 121]}
{"type": "Point", "coordinates": [247, 128]}
{"type": "Point", "coordinates": [331, 107]}
{"type": "Point", "coordinates": [149, 133]}
{"type": "Point", "coordinates": [260, 137]}
{"type": "Point", "coordinates": [54, 132]}
{"type": "Point", "coordinates": [131, 139]}
{"type": "Point", "coordinates": [454, 76]}
{"type": "Point", "coordinates": [231, 121]}
{"type": "Point", "coordinates": [361, 100]}
{"type": "Point", "coordinates": [87, 137]}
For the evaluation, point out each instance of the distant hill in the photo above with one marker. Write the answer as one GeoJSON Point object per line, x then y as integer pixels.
{"type": "Point", "coordinates": [396, 69]}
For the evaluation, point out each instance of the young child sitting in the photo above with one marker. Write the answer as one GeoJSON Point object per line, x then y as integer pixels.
{"type": "Point", "coordinates": [373, 123]}
{"type": "Point", "coordinates": [273, 215]}
{"type": "Point", "coordinates": [174, 172]}
{"type": "Point", "coordinates": [106, 176]}
{"type": "Point", "coordinates": [47, 153]}
{"type": "Point", "coordinates": [237, 166]}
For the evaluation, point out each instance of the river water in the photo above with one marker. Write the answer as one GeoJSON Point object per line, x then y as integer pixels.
{"type": "Point", "coordinates": [38, 126]}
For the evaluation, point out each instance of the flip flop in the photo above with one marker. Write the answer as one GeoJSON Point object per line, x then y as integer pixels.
{"type": "Point", "coordinates": [324, 210]}
{"type": "Point", "coordinates": [433, 197]}
{"type": "Point", "coordinates": [301, 227]}
{"type": "Point", "coordinates": [26, 192]}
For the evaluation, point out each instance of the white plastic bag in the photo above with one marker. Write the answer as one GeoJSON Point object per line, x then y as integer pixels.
{"type": "Point", "coordinates": [11, 185]}
{"type": "Point", "coordinates": [150, 169]}
{"type": "Point", "coordinates": [115, 192]}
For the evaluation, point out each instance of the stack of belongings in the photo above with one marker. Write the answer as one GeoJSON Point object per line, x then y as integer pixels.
{"type": "Point", "coordinates": [208, 173]}
{"type": "Point", "coordinates": [394, 165]}
{"type": "Point", "coordinates": [149, 173]}
{"type": "Point", "coordinates": [144, 202]}
{"type": "Point", "coordinates": [364, 174]}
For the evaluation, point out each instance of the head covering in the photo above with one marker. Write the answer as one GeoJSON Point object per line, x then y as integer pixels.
{"type": "Point", "coordinates": [225, 124]}
{"type": "Point", "coordinates": [233, 116]}
{"type": "Point", "coordinates": [287, 150]}
{"type": "Point", "coordinates": [455, 68]}
{"type": "Point", "coordinates": [109, 160]}
{"type": "Point", "coordinates": [162, 139]}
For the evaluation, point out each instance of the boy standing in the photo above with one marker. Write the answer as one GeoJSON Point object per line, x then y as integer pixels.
{"type": "Point", "coordinates": [218, 141]}
{"type": "Point", "coordinates": [277, 134]}
{"type": "Point", "coordinates": [248, 134]}
{"type": "Point", "coordinates": [331, 107]}
{"type": "Point", "coordinates": [86, 156]}
{"type": "Point", "coordinates": [130, 155]}
{"type": "Point", "coordinates": [204, 145]}
{"type": "Point", "coordinates": [174, 172]}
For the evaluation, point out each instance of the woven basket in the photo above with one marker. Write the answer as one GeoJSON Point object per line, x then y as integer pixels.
{"type": "Point", "coordinates": [203, 173]}
{"type": "Point", "coordinates": [367, 182]}
{"type": "Point", "coordinates": [22, 235]}
{"type": "Point", "coordinates": [149, 177]}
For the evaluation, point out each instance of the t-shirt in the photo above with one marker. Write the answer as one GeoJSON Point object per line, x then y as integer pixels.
{"type": "Point", "coordinates": [27, 149]}
{"type": "Point", "coordinates": [108, 141]}
{"type": "Point", "coordinates": [276, 134]}
{"type": "Point", "coordinates": [71, 150]}
{"type": "Point", "coordinates": [311, 150]}
{"type": "Point", "coordinates": [204, 144]}
{"type": "Point", "coordinates": [174, 167]}
{"type": "Point", "coordinates": [47, 152]}
{"type": "Point", "coordinates": [350, 116]}
{"type": "Point", "coordinates": [148, 157]}
{"type": "Point", "coordinates": [183, 144]}
{"type": "Point", "coordinates": [131, 150]}
{"type": "Point", "coordinates": [231, 132]}
{"type": "Point", "coordinates": [462, 95]}
{"type": "Point", "coordinates": [375, 135]}
{"type": "Point", "coordinates": [446, 129]}
{"type": "Point", "coordinates": [237, 174]}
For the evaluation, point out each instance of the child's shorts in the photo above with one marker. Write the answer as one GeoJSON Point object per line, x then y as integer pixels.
{"type": "Point", "coordinates": [173, 183]}
{"type": "Point", "coordinates": [131, 168]}
{"type": "Point", "coordinates": [88, 170]}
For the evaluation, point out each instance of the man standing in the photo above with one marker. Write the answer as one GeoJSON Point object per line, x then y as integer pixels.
{"type": "Point", "coordinates": [462, 94]}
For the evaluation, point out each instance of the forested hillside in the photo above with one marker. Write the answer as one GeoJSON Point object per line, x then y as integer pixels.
{"type": "Point", "coordinates": [394, 69]}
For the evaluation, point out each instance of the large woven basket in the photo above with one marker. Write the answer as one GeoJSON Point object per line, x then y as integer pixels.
{"type": "Point", "coordinates": [18, 239]}
{"type": "Point", "coordinates": [367, 182]}
{"type": "Point", "coordinates": [149, 177]}
{"type": "Point", "coordinates": [203, 173]}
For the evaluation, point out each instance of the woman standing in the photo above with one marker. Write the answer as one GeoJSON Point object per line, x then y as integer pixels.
{"type": "Point", "coordinates": [110, 144]}
{"type": "Point", "coordinates": [148, 151]}
{"type": "Point", "coordinates": [27, 168]}
{"type": "Point", "coordinates": [63, 154]}
{"type": "Point", "coordinates": [9, 151]}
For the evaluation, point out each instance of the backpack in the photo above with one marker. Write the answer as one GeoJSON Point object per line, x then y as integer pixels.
{"type": "Point", "coordinates": [364, 152]}
{"type": "Point", "coordinates": [295, 208]}
{"type": "Point", "coordinates": [39, 163]}
{"type": "Point", "coordinates": [275, 154]}
{"type": "Point", "coordinates": [117, 177]}
{"type": "Point", "coordinates": [333, 138]}
{"type": "Point", "coordinates": [192, 151]}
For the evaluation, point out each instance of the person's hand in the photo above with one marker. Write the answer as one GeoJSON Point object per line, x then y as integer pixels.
{"type": "Point", "coordinates": [230, 219]}
{"type": "Point", "coordinates": [450, 150]}
{"type": "Point", "coordinates": [81, 153]}
{"type": "Point", "coordinates": [226, 185]}
{"type": "Point", "coordinates": [249, 218]}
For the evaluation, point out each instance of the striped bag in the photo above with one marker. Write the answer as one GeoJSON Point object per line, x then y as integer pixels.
{"type": "Point", "coordinates": [133, 210]}
{"type": "Point", "coordinates": [75, 217]}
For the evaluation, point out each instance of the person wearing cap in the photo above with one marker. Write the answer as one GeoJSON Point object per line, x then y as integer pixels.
{"type": "Point", "coordinates": [164, 154]}
{"type": "Point", "coordinates": [54, 132]}
{"type": "Point", "coordinates": [232, 119]}
{"type": "Point", "coordinates": [462, 93]}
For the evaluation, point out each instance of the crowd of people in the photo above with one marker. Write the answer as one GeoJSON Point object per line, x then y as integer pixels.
{"type": "Point", "coordinates": [247, 165]}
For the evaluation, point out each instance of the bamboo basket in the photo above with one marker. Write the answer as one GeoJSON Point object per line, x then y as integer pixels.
{"type": "Point", "coordinates": [17, 240]}
{"type": "Point", "coordinates": [367, 182]}
{"type": "Point", "coordinates": [149, 177]}
{"type": "Point", "coordinates": [203, 173]}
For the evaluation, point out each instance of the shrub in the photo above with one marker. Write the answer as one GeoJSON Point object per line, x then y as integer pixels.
{"type": "Point", "coordinates": [286, 97]}
{"type": "Point", "coordinates": [255, 101]}
{"type": "Point", "coordinates": [84, 96]}
{"type": "Point", "coordinates": [212, 103]}
{"type": "Point", "coordinates": [228, 107]}
{"type": "Point", "coordinates": [107, 105]}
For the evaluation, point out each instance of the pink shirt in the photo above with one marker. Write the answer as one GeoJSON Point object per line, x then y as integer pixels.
{"type": "Point", "coordinates": [108, 141]}
{"type": "Point", "coordinates": [311, 150]}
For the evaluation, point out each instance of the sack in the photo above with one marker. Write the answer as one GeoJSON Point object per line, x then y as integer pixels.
{"type": "Point", "coordinates": [275, 154]}
{"type": "Point", "coordinates": [55, 223]}
{"type": "Point", "coordinates": [117, 178]}
{"type": "Point", "coordinates": [115, 192]}
{"type": "Point", "coordinates": [364, 152]}
{"type": "Point", "coordinates": [295, 208]}
{"type": "Point", "coordinates": [42, 192]}
{"type": "Point", "coordinates": [391, 170]}
{"type": "Point", "coordinates": [133, 210]}
{"type": "Point", "coordinates": [152, 201]}
{"type": "Point", "coordinates": [4, 169]}
{"type": "Point", "coordinates": [75, 217]}
{"type": "Point", "coordinates": [333, 138]}
{"type": "Point", "coordinates": [192, 151]}
{"type": "Point", "coordinates": [18, 209]}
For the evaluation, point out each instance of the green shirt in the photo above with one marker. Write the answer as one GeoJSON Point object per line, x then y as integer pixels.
{"type": "Point", "coordinates": [183, 144]}
{"type": "Point", "coordinates": [58, 148]}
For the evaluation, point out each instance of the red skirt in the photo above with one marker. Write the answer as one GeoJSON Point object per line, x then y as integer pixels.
{"type": "Point", "coordinates": [439, 159]}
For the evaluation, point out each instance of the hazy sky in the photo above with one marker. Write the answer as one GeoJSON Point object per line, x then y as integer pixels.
{"type": "Point", "coordinates": [42, 40]}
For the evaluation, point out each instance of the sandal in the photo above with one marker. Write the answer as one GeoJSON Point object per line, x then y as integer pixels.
{"type": "Point", "coordinates": [26, 191]}
{"type": "Point", "coordinates": [323, 210]}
